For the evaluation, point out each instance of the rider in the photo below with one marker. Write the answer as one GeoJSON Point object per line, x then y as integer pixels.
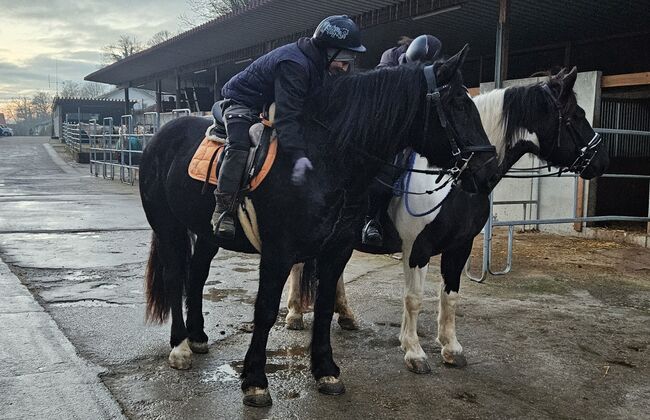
{"type": "Point", "coordinates": [423, 49]}
{"type": "Point", "coordinates": [286, 76]}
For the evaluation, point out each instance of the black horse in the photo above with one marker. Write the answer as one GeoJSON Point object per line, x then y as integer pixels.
{"type": "Point", "coordinates": [543, 119]}
{"type": "Point", "coordinates": [355, 123]}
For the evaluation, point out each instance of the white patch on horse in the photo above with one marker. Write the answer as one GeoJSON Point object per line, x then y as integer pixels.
{"type": "Point", "coordinates": [294, 320]}
{"type": "Point", "coordinates": [447, 325]}
{"type": "Point", "coordinates": [409, 227]}
{"type": "Point", "coordinates": [181, 356]}
{"type": "Point", "coordinates": [413, 291]}
{"type": "Point", "coordinates": [490, 107]}
{"type": "Point", "coordinates": [248, 220]}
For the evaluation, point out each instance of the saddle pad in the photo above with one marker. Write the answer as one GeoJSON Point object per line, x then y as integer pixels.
{"type": "Point", "coordinates": [198, 168]}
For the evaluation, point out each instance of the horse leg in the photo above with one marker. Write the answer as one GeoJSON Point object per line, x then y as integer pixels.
{"type": "Point", "coordinates": [174, 248]}
{"type": "Point", "coordinates": [415, 358]}
{"type": "Point", "coordinates": [323, 366]}
{"type": "Point", "coordinates": [204, 252]}
{"type": "Point", "coordinates": [452, 264]}
{"type": "Point", "coordinates": [274, 269]}
{"type": "Point", "coordinates": [294, 316]}
{"type": "Point", "coordinates": [346, 316]}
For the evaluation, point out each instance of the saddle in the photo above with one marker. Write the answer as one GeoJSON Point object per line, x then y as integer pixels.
{"type": "Point", "coordinates": [207, 159]}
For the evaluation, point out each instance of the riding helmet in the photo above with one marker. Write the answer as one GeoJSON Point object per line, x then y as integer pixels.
{"type": "Point", "coordinates": [338, 32]}
{"type": "Point", "coordinates": [424, 48]}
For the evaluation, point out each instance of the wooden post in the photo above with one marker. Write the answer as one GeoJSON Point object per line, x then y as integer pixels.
{"type": "Point", "coordinates": [178, 91]}
{"type": "Point", "coordinates": [127, 103]}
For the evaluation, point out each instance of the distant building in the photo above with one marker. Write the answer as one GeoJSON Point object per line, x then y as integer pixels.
{"type": "Point", "coordinates": [83, 110]}
{"type": "Point", "coordinates": [144, 99]}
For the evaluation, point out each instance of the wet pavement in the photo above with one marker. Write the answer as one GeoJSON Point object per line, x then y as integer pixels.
{"type": "Point", "coordinates": [552, 339]}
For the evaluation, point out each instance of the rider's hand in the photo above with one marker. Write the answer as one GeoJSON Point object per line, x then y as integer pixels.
{"type": "Point", "coordinates": [300, 168]}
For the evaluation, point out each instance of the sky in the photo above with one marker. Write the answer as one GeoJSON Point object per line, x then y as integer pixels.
{"type": "Point", "coordinates": [43, 40]}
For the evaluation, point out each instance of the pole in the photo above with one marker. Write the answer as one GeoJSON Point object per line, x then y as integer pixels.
{"type": "Point", "coordinates": [503, 41]}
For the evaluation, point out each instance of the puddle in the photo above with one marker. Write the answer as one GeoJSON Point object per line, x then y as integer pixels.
{"type": "Point", "coordinates": [224, 373]}
{"type": "Point", "coordinates": [243, 270]}
{"type": "Point", "coordinates": [217, 295]}
{"type": "Point", "coordinates": [92, 303]}
{"type": "Point", "coordinates": [297, 351]}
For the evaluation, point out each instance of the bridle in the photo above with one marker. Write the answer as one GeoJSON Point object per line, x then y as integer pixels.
{"type": "Point", "coordinates": [587, 152]}
{"type": "Point", "coordinates": [434, 99]}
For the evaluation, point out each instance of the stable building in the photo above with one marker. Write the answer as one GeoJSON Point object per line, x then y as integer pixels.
{"type": "Point", "coordinates": [510, 40]}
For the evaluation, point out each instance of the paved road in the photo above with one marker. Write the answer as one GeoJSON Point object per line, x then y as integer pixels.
{"type": "Point", "coordinates": [540, 343]}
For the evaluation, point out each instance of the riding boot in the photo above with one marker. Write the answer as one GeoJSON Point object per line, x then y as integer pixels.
{"type": "Point", "coordinates": [230, 178]}
{"type": "Point", "coordinates": [371, 233]}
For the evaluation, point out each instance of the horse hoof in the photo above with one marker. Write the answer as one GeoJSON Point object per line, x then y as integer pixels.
{"type": "Point", "coordinates": [181, 356]}
{"type": "Point", "coordinates": [454, 360]}
{"type": "Point", "coordinates": [419, 366]}
{"type": "Point", "coordinates": [349, 324]}
{"type": "Point", "coordinates": [257, 397]}
{"type": "Point", "coordinates": [295, 323]}
{"type": "Point", "coordinates": [329, 385]}
{"type": "Point", "coordinates": [199, 347]}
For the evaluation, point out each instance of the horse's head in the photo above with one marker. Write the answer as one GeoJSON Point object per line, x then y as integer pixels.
{"type": "Point", "coordinates": [451, 116]}
{"type": "Point", "coordinates": [566, 138]}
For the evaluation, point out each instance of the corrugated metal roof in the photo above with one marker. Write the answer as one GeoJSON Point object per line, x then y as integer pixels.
{"type": "Point", "coordinates": [532, 23]}
{"type": "Point", "coordinates": [261, 22]}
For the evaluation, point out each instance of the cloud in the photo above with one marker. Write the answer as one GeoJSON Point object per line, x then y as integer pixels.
{"type": "Point", "coordinates": [44, 37]}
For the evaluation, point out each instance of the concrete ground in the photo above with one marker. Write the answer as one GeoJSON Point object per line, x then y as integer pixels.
{"type": "Point", "coordinates": [565, 335]}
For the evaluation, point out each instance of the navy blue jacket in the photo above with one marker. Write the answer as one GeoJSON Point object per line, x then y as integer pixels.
{"type": "Point", "coordinates": [286, 76]}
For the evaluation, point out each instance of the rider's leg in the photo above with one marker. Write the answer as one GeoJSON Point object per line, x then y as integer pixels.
{"type": "Point", "coordinates": [238, 121]}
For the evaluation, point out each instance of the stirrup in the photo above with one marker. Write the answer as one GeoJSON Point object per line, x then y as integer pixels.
{"type": "Point", "coordinates": [371, 235]}
{"type": "Point", "coordinates": [228, 232]}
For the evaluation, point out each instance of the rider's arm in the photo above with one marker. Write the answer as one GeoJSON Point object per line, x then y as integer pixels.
{"type": "Point", "coordinates": [291, 89]}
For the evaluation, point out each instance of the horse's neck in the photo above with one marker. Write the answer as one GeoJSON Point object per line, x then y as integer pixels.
{"type": "Point", "coordinates": [495, 122]}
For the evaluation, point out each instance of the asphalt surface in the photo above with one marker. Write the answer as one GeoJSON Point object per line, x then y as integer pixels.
{"type": "Point", "coordinates": [74, 344]}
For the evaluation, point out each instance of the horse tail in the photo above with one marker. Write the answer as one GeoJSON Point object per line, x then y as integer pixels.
{"type": "Point", "coordinates": [158, 305]}
{"type": "Point", "coordinates": [308, 283]}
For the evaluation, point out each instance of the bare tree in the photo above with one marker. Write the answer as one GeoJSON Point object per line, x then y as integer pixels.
{"type": "Point", "coordinates": [41, 104]}
{"type": "Point", "coordinates": [70, 89]}
{"type": "Point", "coordinates": [20, 109]}
{"type": "Point", "coordinates": [92, 90]}
{"type": "Point", "coordinates": [125, 46]}
{"type": "Point", "coordinates": [201, 11]}
{"type": "Point", "coordinates": [159, 37]}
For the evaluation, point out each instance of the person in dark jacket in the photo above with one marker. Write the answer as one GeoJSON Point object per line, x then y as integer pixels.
{"type": "Point", "coordinates": [391, 57]}
{"type": "Point", "coordinates": [286, 76]}
{"type": "Point", "coordinates": [423, 49]}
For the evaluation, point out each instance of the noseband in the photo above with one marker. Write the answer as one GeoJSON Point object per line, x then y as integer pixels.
{"type": "Point", "coordinates": [587, 152]}
{"type": "Point", "coordinates": [434, 98]}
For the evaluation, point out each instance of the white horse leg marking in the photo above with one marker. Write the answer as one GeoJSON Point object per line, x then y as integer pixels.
{"type": "Point", "coordinates": [452, 351]}
{"type": "Point", "coordinates": [415, 358]}
{"type": "Point", "coordinates": [294, 319]}
{"type": "Point", "coordinates": [181, 356]}
{"type": "Point", "coordinates": [346, 316]}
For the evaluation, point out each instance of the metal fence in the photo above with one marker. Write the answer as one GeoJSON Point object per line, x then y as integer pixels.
{"type": "Point", "coordinates": [486, 260]}
{"type": "Point", "coordinates": [115, 147]}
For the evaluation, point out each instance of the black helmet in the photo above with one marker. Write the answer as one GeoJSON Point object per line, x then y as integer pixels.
{"type": "Point", "coordinates": [424, 48]}
{"type": "Point", "coordinates": [338, 32]}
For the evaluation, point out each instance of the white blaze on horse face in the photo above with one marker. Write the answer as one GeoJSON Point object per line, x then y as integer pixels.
{"type": "Point", "coordinates": [447, 325]}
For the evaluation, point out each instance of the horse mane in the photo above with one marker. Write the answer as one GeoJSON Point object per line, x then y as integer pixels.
{"type": "Point", "coordinates": [372, 110]}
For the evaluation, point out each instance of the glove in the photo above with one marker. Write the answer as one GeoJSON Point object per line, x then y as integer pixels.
{"type": "Point", "coordinates": [298, 176]}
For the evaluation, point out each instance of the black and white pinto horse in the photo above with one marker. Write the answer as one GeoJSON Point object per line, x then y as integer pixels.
{"type": "Point", "coordinates": [543, 119]}
{"type": "Point", "coordinates": [352, 126]}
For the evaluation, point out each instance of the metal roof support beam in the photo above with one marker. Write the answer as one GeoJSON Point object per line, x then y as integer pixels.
{"type": "Point", "coordinates": [159, 107]}
{"type": "Point", "coordinates": [127, 103]}
{"type": "Point", "coordinates": [178, 91]}
{"type": "Point", "coordinates": [503, 41]}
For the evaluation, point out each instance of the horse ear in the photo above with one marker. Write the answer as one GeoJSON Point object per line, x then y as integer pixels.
{"type": "Point", "coordinates": [569, 81]}
{"type": "Point", "coordinates": [449, 68]}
